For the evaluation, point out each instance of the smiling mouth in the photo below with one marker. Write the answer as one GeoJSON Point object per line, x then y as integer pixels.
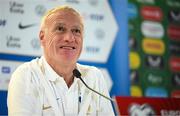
{"type": "Point", "coordinates": [68, 47]}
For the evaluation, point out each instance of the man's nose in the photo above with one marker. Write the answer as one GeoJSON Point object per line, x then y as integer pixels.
{"type": "Point", "coordinates": [69, 37]}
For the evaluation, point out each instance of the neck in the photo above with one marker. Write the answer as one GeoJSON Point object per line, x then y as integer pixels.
{"type": "Point", "coordinates": [64, 70]}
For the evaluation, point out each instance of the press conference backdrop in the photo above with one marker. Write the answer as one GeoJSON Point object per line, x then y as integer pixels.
{"type": "Point", "coordinates": [154, 37]}
{"type": "Point", "coordinates": [105, 39]}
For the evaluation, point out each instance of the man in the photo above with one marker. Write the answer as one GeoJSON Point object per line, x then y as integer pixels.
{"type": "Point", "coordinates": [46, 85]}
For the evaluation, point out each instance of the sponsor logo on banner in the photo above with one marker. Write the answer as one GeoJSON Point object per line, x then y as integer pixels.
{"type": "Point", "coordinates": [134, 60]}
{"type": "Point", "coordinates": [91, 49]}
{"type": "Point", "coordinates": [96, 17]}
{"type": "Point", "coordinates": [13, 42]}
{"type": "Point", "coordinates": [153, 61]}
{"type": "Point", "coordinates": [16, 7]}
{"type": "Point", "coordinates": [176, 79]}
{"type": "Point", "coordinates": [152, 13]}
{"type": "Point", "coordinates": [174, 32]}
{"type": "Point", "coordinates": [152, 46]}
{"type": "Point", "coordinates": [141, 110]}
{"type": "Point", "coordinates": [175, 64]}
{"type": "Point", "coordinates": [134, 77]}
{"type": "Point", "coordinates": [40, 10]}
{"type": "Point", "coordinates": [72, 1]}
{"type": "Point", "coordinates": [154, 79]}
{"type": "Point", "coordinates": [174, 16]}
{"type": "Point", "coordinates": [175, 94]}
{"type": "Point", "coordinates": [173, 3]}
{"type": "Point", "coordinates": [146, 1]}
{"type": "Point", "coordinates": [3, 22]}
{"type": "Point", "coordinates": [132, 43]}
{"type": "Point", "coordinates": [147, 106]}
{"type": "Point", "coordinates": [93, 17]}
{"type": "Point", "coordinates": [100, 34]}
{"type": "Point", "coordinates": [156, 92]}
{"type": "Point", "coordinates": [5, 69]}
{"type": "Point", "coordinates": [136, 91]}
{"type": "Point", "coordinates": [25, 26]}
{"type": "Point", "coordinates": [165, 112]}
{"type": "Point", "coordinates": [152, 29]}
{"type": "Point", "coordinates": [174, 48]}
{"type": "Point", "coordinates": [93, 2]}
{"type": "Point", "coordinates": [132, 11]}
{"type": "Point", "coordinates": [35, 44]}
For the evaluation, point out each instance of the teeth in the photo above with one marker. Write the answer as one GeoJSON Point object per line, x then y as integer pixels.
{"type": "Point", "coordinates": [67, 47]}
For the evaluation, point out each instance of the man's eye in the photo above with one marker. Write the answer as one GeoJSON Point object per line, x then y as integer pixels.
{"type": "Point", "coordinates": [60, 28]}
{"type": "Point", "coordinates": [77, 31]}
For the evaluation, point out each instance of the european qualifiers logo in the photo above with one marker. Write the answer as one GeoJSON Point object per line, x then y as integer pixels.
{"type": "Point", "coordinates": [176, 79]}
{"type": "Point", "coordinates": [132, 43]}
{"type": "Point", "coordinates": [16, 7]}
{"type": "Point", "coordinates": [153, 61]}
{"type": "Point", "coordinates": [141, 110]}
{"type": "Point", "coordinates": [134, 77]}
{"type": "Point", "coordinates": [174, 16]}
{"type": "Point", "coordinates": [174, 48]}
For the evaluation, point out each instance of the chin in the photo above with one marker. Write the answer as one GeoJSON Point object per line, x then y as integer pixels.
{"type": "Point", "coordinates": [68, 59]}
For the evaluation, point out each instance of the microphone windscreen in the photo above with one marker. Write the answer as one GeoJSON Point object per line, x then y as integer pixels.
{"type": "Point", "coordinates": [76, 73]}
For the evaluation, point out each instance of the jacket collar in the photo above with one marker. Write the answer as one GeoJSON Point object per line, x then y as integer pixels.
{"type": "Point", "coordinates": [51, 74]}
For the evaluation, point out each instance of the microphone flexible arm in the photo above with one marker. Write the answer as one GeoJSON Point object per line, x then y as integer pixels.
{"type": "Point", "coordinates": [77, 74]}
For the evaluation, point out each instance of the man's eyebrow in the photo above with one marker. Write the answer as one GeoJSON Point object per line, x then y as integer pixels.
{"type": "Point", "coordinates": [77, 26]}
{"type": "Point", "coordinates": [59, 23]}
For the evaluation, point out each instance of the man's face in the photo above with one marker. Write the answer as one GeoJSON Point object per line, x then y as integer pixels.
{"type": "Point", "coordinates": [62, 38]}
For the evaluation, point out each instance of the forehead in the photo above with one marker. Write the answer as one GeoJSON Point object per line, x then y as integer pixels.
{"type": "Point", "coordinates": [65, 16]}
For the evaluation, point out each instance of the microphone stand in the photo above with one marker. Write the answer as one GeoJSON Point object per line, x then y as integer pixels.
{"type": "Point", "coordinates": [77, 74]}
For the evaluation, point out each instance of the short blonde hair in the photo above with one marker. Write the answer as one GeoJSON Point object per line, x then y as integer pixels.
{"type": "Point", "coordinates": [60, 8]}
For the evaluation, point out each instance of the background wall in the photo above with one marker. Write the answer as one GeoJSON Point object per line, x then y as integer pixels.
{"type": "Point", "coordinates": [105, 42]}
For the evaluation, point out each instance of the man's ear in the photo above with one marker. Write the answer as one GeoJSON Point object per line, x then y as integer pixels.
{"type": "Point", "coordinates": [41, 37]}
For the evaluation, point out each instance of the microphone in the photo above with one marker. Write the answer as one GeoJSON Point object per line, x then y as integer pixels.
{"type": "Point", "coordinates": [77, 74]}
